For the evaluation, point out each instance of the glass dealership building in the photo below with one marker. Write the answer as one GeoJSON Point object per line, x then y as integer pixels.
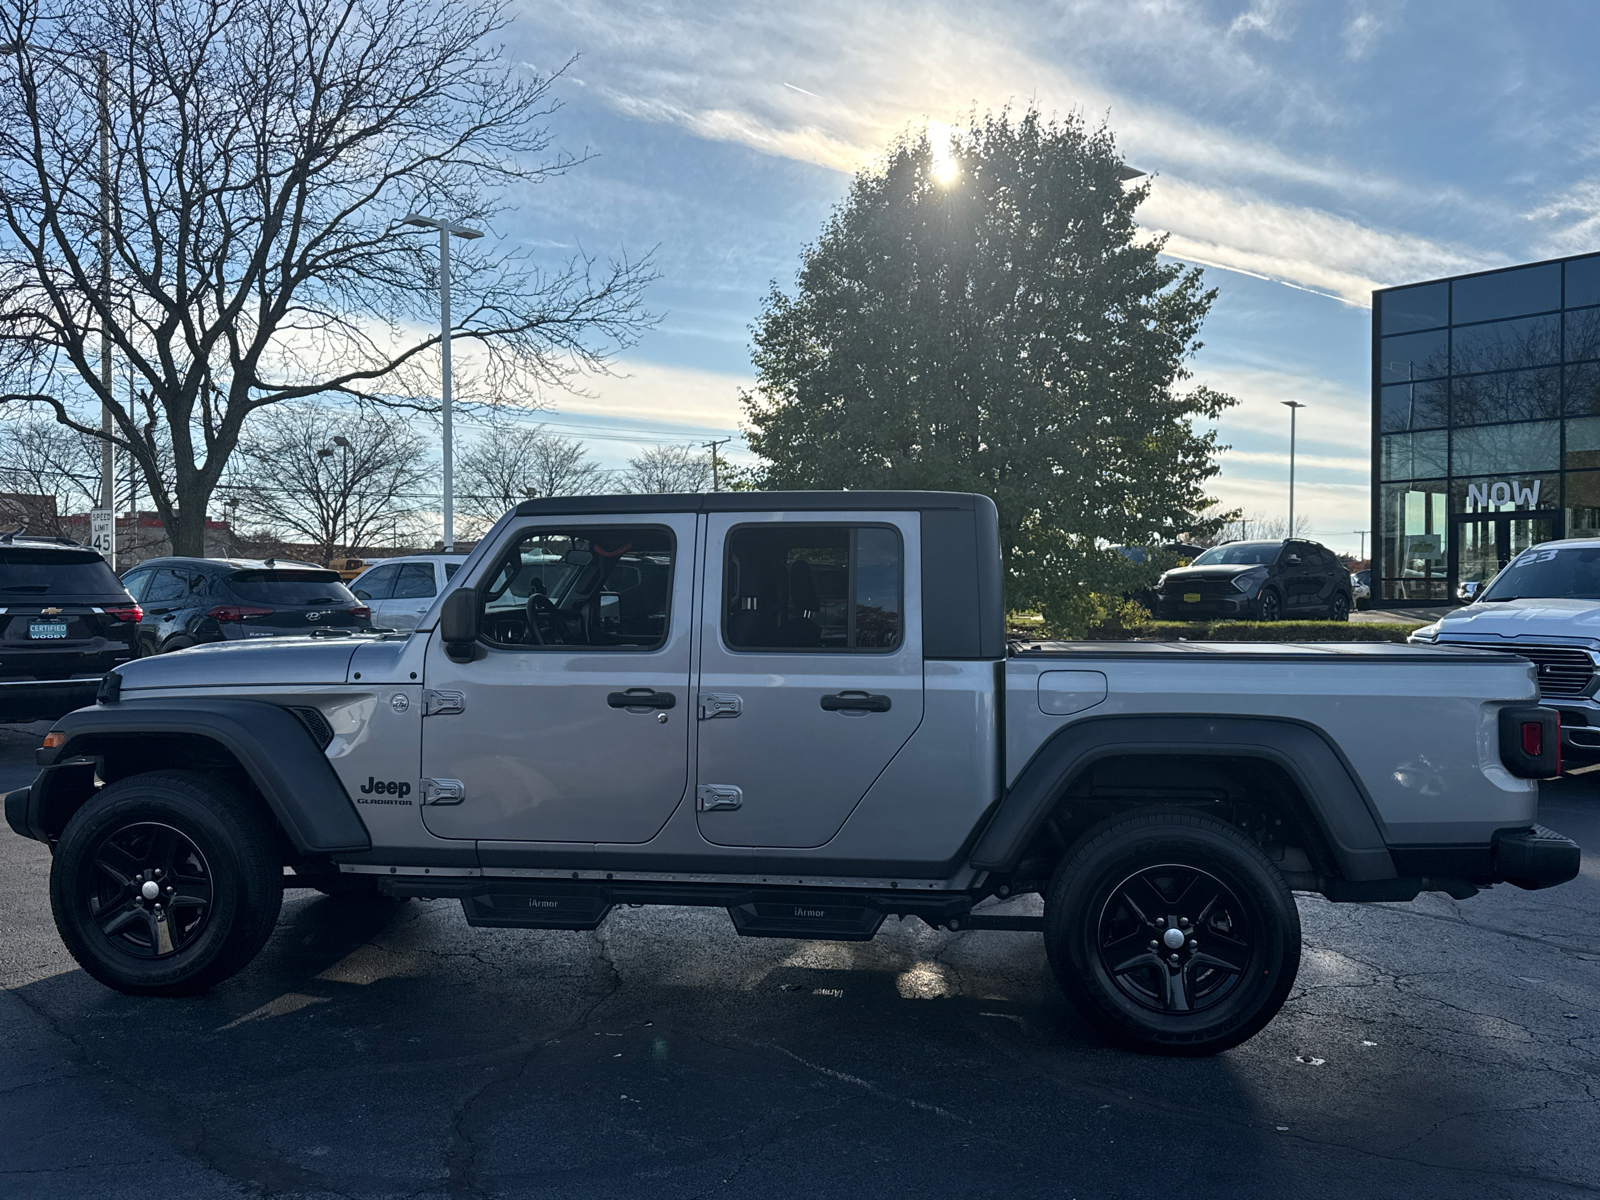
{"type": "Point", "coordinates": [1485, 423]}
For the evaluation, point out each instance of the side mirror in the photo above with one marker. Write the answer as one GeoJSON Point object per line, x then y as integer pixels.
{"type": "Point", "coordinates": [1292, 561]}
{"type": "Point", "coordinates": [458, 621]}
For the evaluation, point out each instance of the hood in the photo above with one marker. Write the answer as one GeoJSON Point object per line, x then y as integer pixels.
{"type": "Point", "coordinates": [1217, 571]}
{"type": "Point", "coordinates": [1526, 618]}
{"type": "Point", "coordinates": [245, 664]}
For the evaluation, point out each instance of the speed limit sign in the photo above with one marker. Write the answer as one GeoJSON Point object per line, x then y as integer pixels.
{"type": "Point", "coordinates": [102, 532]}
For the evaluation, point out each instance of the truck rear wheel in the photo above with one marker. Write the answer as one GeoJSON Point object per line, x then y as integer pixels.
{"type": "Point", "coordinates": [166, 883]}
{"type": "Point", "coordinates": [1172, 933]}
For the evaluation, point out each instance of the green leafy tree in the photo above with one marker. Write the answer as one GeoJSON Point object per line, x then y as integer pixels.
{"type": "Point", "coordinates": [990, 318]}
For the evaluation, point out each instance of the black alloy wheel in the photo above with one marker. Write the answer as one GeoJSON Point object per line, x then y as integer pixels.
{"type": "Point", "coordinates": [1339, 610]}
{"type": "Point", "coordinates": [149, 889]}
{"type": "Point", "coordinates": [1172, 933]}
{"type": "Point", "coordinates": [166, 883]}
{"type": "Point", "coordinates": [1269, 607]}
{"type": "Point", "coordinates": [1164, 960]}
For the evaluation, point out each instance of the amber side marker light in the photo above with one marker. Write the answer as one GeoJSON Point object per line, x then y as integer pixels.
{"type": "Point", "coordinates": [57, 739]}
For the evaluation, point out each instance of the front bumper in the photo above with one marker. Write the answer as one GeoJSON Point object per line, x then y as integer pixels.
{"type": "Point", "coordinates": [1177, 609]}
{"type": "Point", "coordinates": [1580, 727]}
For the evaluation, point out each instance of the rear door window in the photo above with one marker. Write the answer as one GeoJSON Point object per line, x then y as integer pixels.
{"type": "Point", "coordinates": [25, 571]}
{"type": "Point", "coordinates": [415, 582]}
{"type": "Point", "coordinates": [813, 587]}
{"type": "Point", "coordinates": [290, 587]}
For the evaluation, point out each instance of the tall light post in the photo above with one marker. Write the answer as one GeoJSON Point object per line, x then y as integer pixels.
{"type": "Point", "coordinates": [107, 457]}
{"type": "Point", "coordinates": [1294, 407]}
{"type": "Point", "coordinates": [445, 228]}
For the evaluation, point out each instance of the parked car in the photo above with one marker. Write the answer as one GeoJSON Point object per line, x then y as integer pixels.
{"type": "Point", "coordinates": [65, 620]}
{"type": "Point", "coordinates": [800, 707]}
{"type": "Point", "coordinates": [401, 590]}
{"type": "Point", "coordinates": [1543, 605]}
{"type": "Point", "coordinates": [1267, 581]}
{"type": "Point", "coordinates": [1361, 584]}
{"type": "Point", "coordinates": [191, 601]}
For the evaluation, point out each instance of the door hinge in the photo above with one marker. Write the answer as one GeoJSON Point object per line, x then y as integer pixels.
{"type": "Point", "coordinates": [437, 704]}
{"type": "Point", "coordinates": [709, 796]}
{"type": "Point", "coordinates": [443, 791]}
{"type": "Point", "coordinates": [720, 704]}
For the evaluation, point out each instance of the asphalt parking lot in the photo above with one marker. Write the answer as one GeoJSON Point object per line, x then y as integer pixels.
{"type": "Point", "coordinates": [1439, 1048]}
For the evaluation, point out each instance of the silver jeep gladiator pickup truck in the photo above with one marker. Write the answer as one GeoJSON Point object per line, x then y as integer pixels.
{"type": "Point", "coordinates": [800, 707]}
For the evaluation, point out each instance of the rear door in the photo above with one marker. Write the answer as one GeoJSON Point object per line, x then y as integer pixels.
{"type": "Point", "coordinates": [414, 589]}
{"type": "Point", "coordinates": [571, 724]}
{"type": "Point", "coordinates": [374, 587]}
{"type": "Point", "coordinates": [810, 670]}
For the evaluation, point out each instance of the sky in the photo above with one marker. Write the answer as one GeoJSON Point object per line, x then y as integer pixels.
{"type": "Point", "coordinates": [1303, 152]}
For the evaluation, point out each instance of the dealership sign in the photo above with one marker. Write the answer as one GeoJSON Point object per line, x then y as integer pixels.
{"type": "Point", "coordinates": [1502, 492]}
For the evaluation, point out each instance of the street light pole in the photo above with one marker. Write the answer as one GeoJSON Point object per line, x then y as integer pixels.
{"type": "Point", "coordinates": [1294, 407]}
{"type": "Point", "coordinates": [445, 229]}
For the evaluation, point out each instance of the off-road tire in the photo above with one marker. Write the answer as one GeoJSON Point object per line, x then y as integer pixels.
{"type": "Point", "coordinates": [230, 847]}
{"type": "Point", "coordinates": [1254, 925]}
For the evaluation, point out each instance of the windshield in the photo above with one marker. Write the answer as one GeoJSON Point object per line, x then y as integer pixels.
{"type": "Point", "coordinates": [1540, 574]}
{"type": "Point", "coordinates": [25, 572]}
{"type": "Point", "coordinates": [290, 587]}
{"type": "Point", "coordinates": [1240, 554]}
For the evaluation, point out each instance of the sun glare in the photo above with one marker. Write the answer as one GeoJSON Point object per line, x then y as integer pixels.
{"type": "Point", "coordinates": [941, 142]}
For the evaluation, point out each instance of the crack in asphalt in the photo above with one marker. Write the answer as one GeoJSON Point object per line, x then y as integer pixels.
{"type": "Point", "coordinates": [481, 1106]}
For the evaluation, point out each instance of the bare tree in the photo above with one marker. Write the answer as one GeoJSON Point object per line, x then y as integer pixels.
{"type": "Point", "coordinates": [667, 469]}
{"type": "Point", "coordinates": [262, 153]}
{"type": "Point", "coordinates": [505, 465]}
{"type": "Point", "coordinates": [1253, 527]}
{"type": "Point", "coordinates": [41, 457]}
{"type": "Point", "coordinates": [335, 479]}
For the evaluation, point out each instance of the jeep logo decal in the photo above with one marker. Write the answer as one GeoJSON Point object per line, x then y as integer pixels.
{"type": "Point", "coordinates": [378, 787]}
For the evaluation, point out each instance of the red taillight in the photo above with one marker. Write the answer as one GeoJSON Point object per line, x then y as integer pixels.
{"type": "Point", "coordinates": [1532, 739]}
{"type": "Point", "coordinates": [361, 612]}
{"type": "Point", "coordinates": [129, 612]}
{"type": "Point", "coordinates": [237, 612]}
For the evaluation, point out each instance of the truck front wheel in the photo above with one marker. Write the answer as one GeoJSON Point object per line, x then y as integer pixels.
{"type": "Point", "coordinates": [1172, 933]}
{"type": "Point", "coordinates": [166, 883]}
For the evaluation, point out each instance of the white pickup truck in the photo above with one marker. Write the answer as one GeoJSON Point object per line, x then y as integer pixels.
{"type": "Point", "coordinates": [800, 707]}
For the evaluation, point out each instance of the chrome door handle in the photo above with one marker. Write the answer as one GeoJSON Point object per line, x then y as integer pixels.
{"type": "Point", "coordinates": [855, 702]}
{"type": "Point", "coordinates": [641, 698]}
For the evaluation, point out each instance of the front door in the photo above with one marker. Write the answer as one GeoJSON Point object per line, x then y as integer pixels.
{"type": "Point", "coordinates": [811, 670]}
{"type": "Point", "coordinates": [572, 722]}
{"type": "Point", "coordinates": [1484, 543]}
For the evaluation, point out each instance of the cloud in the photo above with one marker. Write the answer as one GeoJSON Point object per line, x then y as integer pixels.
{"type": "Point", "coordinates": [684, 401]}
{"type": "Point", "coordinates": [792, 82]}
{"type": "Point", "coordinates": [1361, 33]}
{"type": "Point", "coordinates": [1296, 244]}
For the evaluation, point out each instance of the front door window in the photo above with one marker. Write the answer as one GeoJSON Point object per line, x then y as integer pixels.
{"type": "Point", "coordinates": [576, 717]}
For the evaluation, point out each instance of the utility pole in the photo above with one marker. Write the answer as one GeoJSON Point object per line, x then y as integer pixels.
{"type": "Point", "coordinates": [108, 499]}
{"type": "Point", "coordinates": [1294, 407]}
{"type": "Point", "coordinates": [712, 446]}
{"type": "Point", "coordinates": [1363, 534]}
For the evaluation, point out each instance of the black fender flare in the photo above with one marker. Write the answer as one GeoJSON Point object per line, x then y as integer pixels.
{"type": "Point", "coordinates": [1340, 805]}
{"type": "Point", "coordinates": [268, 741]}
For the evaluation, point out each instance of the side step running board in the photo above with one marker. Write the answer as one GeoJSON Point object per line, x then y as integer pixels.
{"type": "Point", "coordinates": [756, 911]}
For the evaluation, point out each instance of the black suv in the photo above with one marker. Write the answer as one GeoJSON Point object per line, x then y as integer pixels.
{"type": "Point", "coordinates": [65, 620]}
{"type": "Point", "coordinates": [1267, 581]}
{"type": "Point", "coordinates": [190, 601]}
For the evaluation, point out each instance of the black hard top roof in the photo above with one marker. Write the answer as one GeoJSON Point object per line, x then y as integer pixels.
{"type": "Point", "coordinates": [709, 502]}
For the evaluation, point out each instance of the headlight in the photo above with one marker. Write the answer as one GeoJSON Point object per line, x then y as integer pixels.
{"type": "Point", "coordinates": [1250, 580]}
{"type": "Point", "coordinates": [1428, 634]}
